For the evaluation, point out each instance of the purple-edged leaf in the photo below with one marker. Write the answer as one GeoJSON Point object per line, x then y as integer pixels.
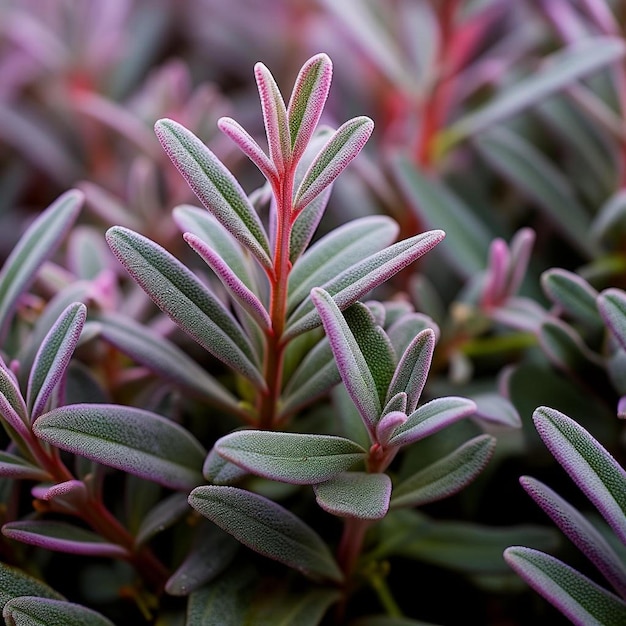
{"type": "Point", "coordinates": [166, 513]}
{"type": "Point", "coordinates": [336, 252]}
{"type": "Point", "coordinates": [300, 459]}
{"type": "Point", "coordinates": [446, 476]}
{"type": "Point", "coordinates": [12, 396]}
{"type": "Point", "coordinates": [15, 583]}
{"type": "Point", "coordinates": [432, 417]}
{"type": "Point", "coordinates": [580, 531]}
{"type": "Point", "coordinates": [126, 438]}
{"type": "Point", "coordinates": [17, 468]}
{"type": "Point", "coordinates": [573, 294]}
{"type": "Point", "coordinates": [579, 598]}
{"type": "Point", "coordinates": [591, 467]}
{"type": "Point", "coordinates": [211, 552]}
{"type": "Point", "coordinates": [565, 347]}
{"type": "Point", "coordinates": [307, 102]}
{"type": "Point", "coordinates": [520, 251]}
{"type": "Point", "coordinates": [70, 495]}
{"type": "Point", "coordinates": [494, 408]}
{"type": "Point", "coordinates": [359, 279]}
{"type": "Point", "coordinates": [54, 356]}
{"type": "Point", "coordinates": [353, 368]}
{"type": "Point", "coordinates": [391, 420]}
{"type": "Point", "coordinates": [215, 187]}
{"type": "Point", "coordinates": [412, 370]}
{"type": "Point", "coordinates": [63, 537]}
{"type": "Point", "coordinates": [34, 611]}
{"type": "Point", "coordinates": [520, 313]}
{"type": "Point", "coordinates": [396, 403]}
{"type": "Point", "coordinates": [162, 357]}
{"type": "Point", "coordinates": [612, 307]}
{"type": "Point", "coordinates": [315, 375]}
{"type": "Point", "coordinates": [274, 118]}
{"type": "Point", "coordinates": [190, 303]}
{"type": "Point", "coordinates": [335, 156]}
{"type": "Point", "coordinates": [219, 471]}
{"type": "Point", "coordinates": [36, 245]}
{"type": "Point", "coordinates": [355, 494]}
{"type": "Point", "coordinates": [267, 528]}
{"type": "Point", "coordinates": [14, 424]}
{"type": "Point", "coordinates": [237, 289]}
{"type": "Point", "coordinates": [403, 331]}
{"type": "Point", "coordinates": [248, 146]}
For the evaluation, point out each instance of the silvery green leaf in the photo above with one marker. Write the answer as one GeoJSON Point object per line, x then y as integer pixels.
{"type": "Point", "coordinates": [216, 187]}
{"type": "Point", "coordinates": [446, 476]}
{"type": "Point", "coordinates": [580, 599]}
{"type": "Point", "coordinates": [219, 471]}
{"type": "Point", "coordinates": [494, 408]}
{"type": "Point", "coordinates": [16, 467]}
{"type": "Point", "coordinates": [36, 245]}
{"type": "Point", "coordinates": [53, 535]}
{"type": "Point", "coordinates": [467, 237]}
{"type": "Point", "coordinates": [432, 417]}
{"type": "Point", "coordinates": [565, 347]}
{"type": "Point", "coordinates": [588, 463]}
{"type": "Point", "coordinates": [612, 307]}
{"type": "Point", "coordinates": [580, 531]}
{"type": "Point", "coordinates": [163, 357]}
{"type": "Point", "coordinates": [520, 313]}
{"type": "Point", "coordinates": [336, 252]}
{"type": "Point", "coordinates": [10, 389]}
{"type": "Point", "coordinates": [359, 279]}
{"type": "Point", "coordinates": [33, 611]}
{"type": "Point", "coordinates": [15, 583]}
{"type": "Point", "coordinates": [53, 357]}
{"type": "Point", "coordinates": [559, 70]}
{"type": "Point", "coordinates": [167, 512]}
{"type": "Point", "coordinates": [290, 457]}
{"type": "Point", "coordinates": [134, 440]}
{"type": "Point", "coordinates": [573, 294]}
{"type": "Point", "coordinates": [267, 528]}
{"type": "Point", "coordinates": [355, 494]}
{"type": "Point", "coordinates": [188, 301]}
{"type": "Point", "coordinates": [611, 215]}
{"type": "Point", "coordinates": [407, 327]}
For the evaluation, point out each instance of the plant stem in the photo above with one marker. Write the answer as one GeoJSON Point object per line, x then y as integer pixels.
{"type": "Point", "coordinates": [351, 544]}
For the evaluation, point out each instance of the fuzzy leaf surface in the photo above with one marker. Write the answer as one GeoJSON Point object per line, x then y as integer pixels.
{"type": "Point", "coordinates": [580, 599]}
{"type": "Point", "coordinates": [33, 611]}
{"type": "Point", "coordinates": [267, 528]}
{"type": "Point", "coordinates": [300, 459]}
{"type": "Point", "coordinates": [134, 440]}
{"type": "Point", "coordinates": [588, 463]}
{"type": "Point", "coordinates": [15, 583]}
{"type": "Point", "coordinates": [180, 294]}
{"type": "Point", "coordinates": [215, 187]}
{"type": "Point", "coordinates": [355, 494]}
{"type": "Point", "coordinates": [446, 476]}
{"type": "Point", "coordinates": [167, 512]}
{"type": "Point", "coordinates": [36, 245]}
{"type": "Point", "coordinates": [15, 467]}
{"type": "Point", "coordinates": [612, 307]}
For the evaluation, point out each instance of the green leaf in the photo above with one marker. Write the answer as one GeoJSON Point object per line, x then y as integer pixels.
{"type": "Point", "coordinates": [558, 71]}
{"type": "Point", "coordinates": [355, 494]}
{"type": "Point", "coordinates": [166, 513]}
{"type": "Point", "coordinates": [267, 528]}
{"type": "Point", "coordinates": [31, 611]}
{"type": "Point", "coordinates": [36, 245]}
{"type": "Point", "coordinates": [127, 438]}
{"type": "Point", "coordinates": [15, 583]}
{"type": "Point", "coordinates": [446, 476]}
{"type": "Point", "coordinates": [612, 307]}
{"type": "Point", "coordinates": [580, 599]}
{"type": "Point", "coordinates": [15, 467]}
{"type": "Point", "coordinates": [290, 457]}
{"type": "Point", "coordinates": [565, 347]}
{"type": "Point", "coordinates": [216, 187]}
{"type": "Point", "coordinates": [180, 294]}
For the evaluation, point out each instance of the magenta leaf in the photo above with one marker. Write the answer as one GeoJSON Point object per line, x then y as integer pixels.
{"type": "Point", "coordinates": [355, 494]}
{"type": "Point", "coordinates": [134, 440]}
{"type": "Point", "coordinates": [390, 421]}
{"type": "Point", "coordinates": [267, 528]}
{"type": "Point", "coordinates": [216, 188]}
{"type": "Point", "coordinates": [33, 611]}
{"type": "Point", "coordinates": [300, 459]}
{"type": "Point", "coordinates": [62, 537]}
{"type": "Point", "coordinates": [53, 357]}
{"type": "Point", "coordinates": [68, 496]}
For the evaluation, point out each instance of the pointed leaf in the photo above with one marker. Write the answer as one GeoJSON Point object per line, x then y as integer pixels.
{"type": "Point", "coordinates": [127, 438]}
{"type": "Point", "coordinates": [446, 476]}
{"type": "Point", "coordinates": [403, 331]}
{"type": "Point", "coordinates": [391, 420]}
{"type": "Point", "coordinates": [593, 469]}
{"type": "Point", "coordinates": [307, 101]}
{"type": "Point", "coordinates": [612, 307]}
{"type": "Point", "coordinates": [162, 516]}
{"type": "Point", "coordinates": [267, 528]}
{"type": "Point", "coordinates": [355, 494]}
{"type": "Point", "coordinates": [295, 458]}
{"type": "Point", "coordinates": [180, 294]}
{"type": "Point", "coordinates": [64, 537]}
{"type": "Point", "coordinates": [17, 468]}
{"type": "Point", "coordinates": [54, 356]}
{"type": "Point", "coordinates": [494, 408]}
{"type": "Point", "coordinates": [359, 279]}
{"type": "Point", "coordinates": [565, 347]}
{"type": "Point", "coordinates": [432, 417]}
{"type": "Point", "coordinates": [215, 187]}
{"type": "Point", "coordinates": [334, 157]}
{"type": "Point", "coordinates": [32, 611]}
{"type": "Point", "coordinates": [580, 531]}
{"type": "Point", "coordinates": [36, 245]}
{"type": "Point", "coordinates": [15, 583]}
{"type": "Point", "coordinates": [580, 599]}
